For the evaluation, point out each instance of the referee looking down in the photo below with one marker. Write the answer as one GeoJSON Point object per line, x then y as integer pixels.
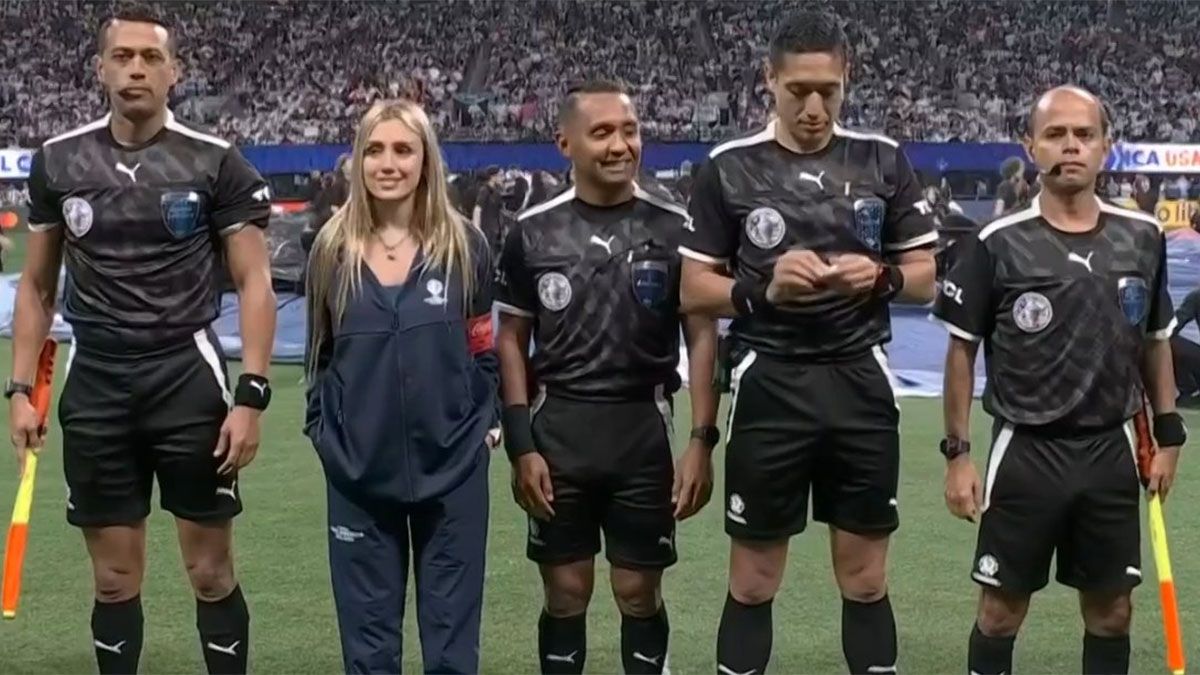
{"type": "Point", "coordinates": [1069, 298]}
{"type": "Point", "coordinates": [804, 232]}
{"type": "Point", "coordinates": [141, 208]}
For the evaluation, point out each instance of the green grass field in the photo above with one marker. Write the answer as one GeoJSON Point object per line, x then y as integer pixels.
{"type": "Point", "coordinates": [281, 555]}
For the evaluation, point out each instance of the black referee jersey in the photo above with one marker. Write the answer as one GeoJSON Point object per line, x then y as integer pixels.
{"type": "Point", "coordinates": [1062, 316]}
{"type": "Point", "coordinates": [602, 286]}
{"type": "Point", "coordinates": [754, 199]}
{"type": "Point", "coordinates": [143, 227]}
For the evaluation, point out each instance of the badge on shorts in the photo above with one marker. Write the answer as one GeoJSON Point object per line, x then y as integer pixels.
{"type": "Point", "coordinates": [1134, 297]}
{"type": "Point", "coordinates": [78, 216]}
{"type": "Point", "coordinates": [554, 290]}
{"type": "Point", "coordinates": [650, 282]}
{"type": "Point", "coordinates": [869, 214]}
{"type": "Point", "coordinates": [765, 227]}
{"type": "Point", "coordinates": [988, 565]}
{"type": "Point", "coordinates": [181, 213]}
{"type": "Point", "coordinates": [1032, 312]}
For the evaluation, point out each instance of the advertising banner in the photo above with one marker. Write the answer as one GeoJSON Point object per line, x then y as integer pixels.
{"type": "Point", "coordinates": [1154, 158]}
{"type": "Point", "coordinates": [1172, 213]}
{"type": "Point", "coordinates": [14, 163]}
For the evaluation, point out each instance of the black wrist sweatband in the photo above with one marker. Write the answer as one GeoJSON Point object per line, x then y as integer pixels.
{"type": "Point", "coordinates": [890, 282]}
{"type": "Point", "coordinates": [748, 299]}
{"type": "Point", "coordinates": [518, 430]}
{"type": "Point", "coordinates": [253, 391]}
{"type": "Point", "coordinates": [1169, 430]}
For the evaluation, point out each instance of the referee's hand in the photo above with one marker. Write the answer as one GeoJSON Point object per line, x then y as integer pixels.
{"type": "Point", "coordinates": [964, 493]}
{"type": "Point", "coordinates": [851, 274]}
{"type": "Point", "coordinates": [25, 430]}
{"type": "Point", "coordinates": [1162, 472]}
{"type": "Point", "coordinates": [797, 272]}
{"type": "Point", "coordinates": [531, 485]}
{"type": "Point", "coordinates": [238, 442]}
{"type": "Point", "coordinates": [693, 481]}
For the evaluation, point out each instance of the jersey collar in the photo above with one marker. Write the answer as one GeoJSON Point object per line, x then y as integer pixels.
{"type": "Point", "coordinates": [108, 135]}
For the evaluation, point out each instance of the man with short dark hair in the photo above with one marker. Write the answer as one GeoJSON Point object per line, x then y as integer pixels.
{"type": "Point", "coordinates": [593, 275]}
{"type": "Point", "coordinates": [821, 228]}
{"type": "Point", "coordinates": [1070, 298]}
{"type": "Point", "coordinates": [140, 208]}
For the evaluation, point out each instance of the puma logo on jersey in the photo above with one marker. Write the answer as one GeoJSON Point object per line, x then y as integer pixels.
{"type": "Point", "coordinates": [132, 173]}
{"type": "Point", "coordinates": [230, 491]}
{"type": "Point", "coordinates": [262, 194]}
{"type": "Point", "coordinates": [1086, 262]}
{"type": "Point", "coordinates": [819, 179]}
{"type": "Point", "coordinates": [606, 245]}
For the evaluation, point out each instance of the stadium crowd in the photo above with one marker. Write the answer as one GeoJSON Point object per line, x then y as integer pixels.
{"type": "Point", "coordinates": [301, 71]}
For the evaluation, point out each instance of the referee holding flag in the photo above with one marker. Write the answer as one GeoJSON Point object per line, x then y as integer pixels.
{"type": "Point", "coordinates": [141, 208]}
{"type": "Point", "coordinates": [1069, 298]}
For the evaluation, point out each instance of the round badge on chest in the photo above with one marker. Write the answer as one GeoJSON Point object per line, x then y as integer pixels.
{"type": "Point", "coordinates": [765, 227]}
{"type": "Point", "coordinates": [1032, 312]}
{"type": "Point", "coordinates": [77, 214]}
{"type": "Point", "coordinates": [554, 290]}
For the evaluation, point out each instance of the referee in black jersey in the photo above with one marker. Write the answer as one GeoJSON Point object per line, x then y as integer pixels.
{"type": "Point", "coordinates": [141, 209]}
{"type": "Point", "coordinates": [1069, 298]}
{"type": "Point", "coordinates": [593, 274]}
{"type": "Point", "coordinates": [820, 228]}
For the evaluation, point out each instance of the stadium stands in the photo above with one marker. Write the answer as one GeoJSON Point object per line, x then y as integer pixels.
{"type": "Point", "coordinates": [302, 71]}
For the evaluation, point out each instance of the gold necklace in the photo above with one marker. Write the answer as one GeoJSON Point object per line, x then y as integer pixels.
{"type": "Point", "coordinates": [390, 250]}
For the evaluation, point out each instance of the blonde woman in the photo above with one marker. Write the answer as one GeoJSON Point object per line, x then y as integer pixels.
{"type": "Point", "coordinates": [402, 394]}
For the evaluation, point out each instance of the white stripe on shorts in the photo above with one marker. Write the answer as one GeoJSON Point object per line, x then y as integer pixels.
{"type": "Point", "coordinates": [209, 353]}
{"type": "Point", "coordinates": [664, 409]}
{"type": "Point", "coordinates": [998, 449]}
{"type": "Point", "coordinates": [882, 360]}
{"type": "Point", "coordinates": [735, 386]}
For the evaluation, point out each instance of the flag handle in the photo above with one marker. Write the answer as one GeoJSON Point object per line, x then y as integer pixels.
{"type": "Point", "coordinates": [18, 530]}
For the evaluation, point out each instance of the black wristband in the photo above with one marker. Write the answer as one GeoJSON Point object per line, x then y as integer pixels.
{"type": "Point", "coordinates": [253, 391]}
{"type": "Point", "coordinates": [890, 282]}
{"type": "Point", "coordinates": [518, 431]}
{"type": "Point", "coordinates": [748, 299]}
{"type": "Point", "coordinates": [1169, 430]}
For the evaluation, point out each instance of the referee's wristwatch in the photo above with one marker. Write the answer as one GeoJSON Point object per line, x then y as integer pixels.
{"type": "Point", "coordinates": [12, 388]}
{"type": "Point", "coordinates": [709, 435]}
{"type": "Point", "coordinates": [952, 447]}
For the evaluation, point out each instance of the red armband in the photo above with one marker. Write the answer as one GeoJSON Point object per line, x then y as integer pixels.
{"type": "Point", "coordinates": [480, 334]}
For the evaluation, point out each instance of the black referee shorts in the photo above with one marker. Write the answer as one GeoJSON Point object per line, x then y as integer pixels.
{"type": "Point", "coordinates": [1075, 496]}
{"type": "Point", "coordinates": [126, 420]}
{"type": "Point", "coordinates": [612, 469]}
{"type": "Point", "coordinates": [831, 427]}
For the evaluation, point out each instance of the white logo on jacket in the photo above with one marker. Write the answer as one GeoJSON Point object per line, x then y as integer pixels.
{"type": "Point", "coordinates": [436, 290]}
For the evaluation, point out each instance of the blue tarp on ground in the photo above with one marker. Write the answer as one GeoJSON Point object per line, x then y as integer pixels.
{"type": "Point", "coordinates": [916, 353]}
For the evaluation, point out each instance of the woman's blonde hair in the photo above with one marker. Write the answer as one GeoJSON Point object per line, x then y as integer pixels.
{"type": "Point", "coordinates": [342, 242]}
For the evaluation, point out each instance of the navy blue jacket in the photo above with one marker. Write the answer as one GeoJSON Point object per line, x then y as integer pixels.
{"type": "Point", "coordinates": [404, 393]}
